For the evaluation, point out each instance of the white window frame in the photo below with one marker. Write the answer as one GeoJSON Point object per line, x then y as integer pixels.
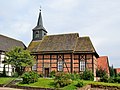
{"type": "Point", "coordinates": [60, 66]}
{"type": "Point", "coordinates": [82, 65]}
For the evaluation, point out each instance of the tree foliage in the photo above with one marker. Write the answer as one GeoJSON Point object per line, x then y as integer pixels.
{"type": "Point", "coordinates": [19, 58]}
{"type": "Point", "coordinates": [112, 72]}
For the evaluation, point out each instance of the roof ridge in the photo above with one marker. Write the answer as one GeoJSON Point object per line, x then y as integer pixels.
{"type": "Point", "coordinates": [10, 38]}
{"type": "Point", "coordinates": [63, 34]}
{"type": "Point", "coordinates": [85, 37]}
{"type": "Point", "coordinates": [103, 56]}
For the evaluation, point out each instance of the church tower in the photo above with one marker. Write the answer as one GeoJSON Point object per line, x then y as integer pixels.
{"type": "Point", "coordinates": [39, 31]}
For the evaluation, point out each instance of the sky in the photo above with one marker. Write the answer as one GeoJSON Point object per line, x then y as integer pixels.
{"type": "Point", "coordinates": [98, 19]}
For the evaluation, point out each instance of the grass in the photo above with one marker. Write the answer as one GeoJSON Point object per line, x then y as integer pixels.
{"type": "Point", "coordinates": [4, 80]}
{"type": "Point", "coordinates": [42, 83]}
{"type": "Point", "coordinates": [49, 83]}
{"type": "Point", "coordinates": [71, 86]}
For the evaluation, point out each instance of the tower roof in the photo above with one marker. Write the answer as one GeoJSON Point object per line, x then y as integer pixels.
{"type": "Point", "coordinates": [40, 23]}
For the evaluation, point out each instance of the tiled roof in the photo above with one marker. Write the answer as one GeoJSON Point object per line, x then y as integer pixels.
{"type": "Point", "coordinates": [33, 45]}
{"type": "Point", "coordinates": [84, 44]}
{"type": "Point", "coordinates": [7, 43]}
{"type": "Point", "coordinates": [102, 62]}
{"type": "Point", "coordinates": [117, 70]}
{"type": "Point", "coordinates": [62, 43]}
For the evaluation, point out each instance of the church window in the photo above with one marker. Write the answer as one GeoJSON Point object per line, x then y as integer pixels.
{"type": "Point", "coordinates": [60, 66]}
{"type": "Point", "coordinates": [82, 65]}
{"type": "Point", "coordinates": [34, 67]}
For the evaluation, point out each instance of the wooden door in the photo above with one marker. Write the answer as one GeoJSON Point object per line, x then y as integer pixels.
{"type": "Point", "coordinates": [46, 72]}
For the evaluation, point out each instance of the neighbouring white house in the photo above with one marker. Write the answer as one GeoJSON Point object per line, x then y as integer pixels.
{"type": "Point", "coordinates": [6, 44]}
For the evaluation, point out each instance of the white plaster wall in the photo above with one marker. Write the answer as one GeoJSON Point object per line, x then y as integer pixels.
{"type": "Point", "coordinates": [8, 71]}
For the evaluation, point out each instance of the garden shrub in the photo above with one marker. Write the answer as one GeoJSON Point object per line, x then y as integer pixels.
{"type": "Point", "coordinates": [117, 79]}
{"type": "Point", "coordinates": [87, 75]}
{"type": "Point", "coordinates": [41, 75]}
{"type": "Point", "coordinates": [62, 79]}
{"type": "Point", "coordinates": [30, 77]}
{"type": "Point", "coordinates": [103, 75]}
{"type": "Point", "coordinates": [15, 74]}
{"type": "Point", "coordinates": [111, 80]}
{"type": "Point", "coordinates": [75, 76]}
{"type": "Point", "coordinates": [104, 78]}
{"type": "Point", "coordinates": [0, 74]}
{"type": "Point", "coordinates": [118, 75]}
{"type": "Point", "coordinates": [80, 84]}
{"type": "Point", "coordinates": [52, 74]}
{"type": "Point", "coordinates": [100, 72]}
{"type": "Point", "coordinates": [81, 75]}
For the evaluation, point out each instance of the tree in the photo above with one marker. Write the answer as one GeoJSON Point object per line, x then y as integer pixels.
{"type": "Point", "coordinates": [112, 72]}
{"type": "Point", "coordinates": [19, 59]}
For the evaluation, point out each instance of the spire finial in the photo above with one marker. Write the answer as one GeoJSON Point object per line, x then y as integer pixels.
{"type": "Point", "coordinates": [40, 8]}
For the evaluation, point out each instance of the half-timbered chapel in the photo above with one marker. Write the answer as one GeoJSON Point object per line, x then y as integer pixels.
{"type": "Point", "coordinates": [63, 52]}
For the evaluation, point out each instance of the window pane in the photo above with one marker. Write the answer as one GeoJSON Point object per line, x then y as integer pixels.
{"type": "Point", "coordinates": [60, 66]}
{"type": "Point", "coordinates": [82, 65]}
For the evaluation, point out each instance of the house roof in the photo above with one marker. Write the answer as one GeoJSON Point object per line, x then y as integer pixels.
{"type": "Point", "coordinates": [102, 62]}
{"type": "Point", "coordinates": [7, 43]}
{"type": "Point", "coordinates": [84, 44]}
{"type": "Point", "coordinates": [33, 45]}
{"type": "Point", "coordinates": [62, 43]}
{"type": "Point", "coordinates": [117, 70]}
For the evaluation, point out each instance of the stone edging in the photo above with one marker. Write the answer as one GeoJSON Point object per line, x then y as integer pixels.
{"type": "Point", "coordinates": [106, 87]}
{"type": "Point", "coordinates": [87, 87]}
{"type": "Point", "coordinates": [27, 88]}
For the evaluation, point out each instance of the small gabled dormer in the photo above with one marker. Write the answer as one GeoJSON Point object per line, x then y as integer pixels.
{"type": "Point", "coordinates": [39, 31]}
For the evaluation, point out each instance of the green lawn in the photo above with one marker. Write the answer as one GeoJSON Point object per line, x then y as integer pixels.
{"type": "Point", "coordinates": [49, 83]}
{"type": "Point", "coordinates": [42, 82]}
{"type": "Point", "coordinates": [73, 87]}
{"type": "Point", "coordinates": [4, 80]}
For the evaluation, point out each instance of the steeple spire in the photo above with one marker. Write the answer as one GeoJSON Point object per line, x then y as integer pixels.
{"type": "Point", "coordinates": [40, 23]}
{"type": "Point", "coordinates": [39, 31]}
